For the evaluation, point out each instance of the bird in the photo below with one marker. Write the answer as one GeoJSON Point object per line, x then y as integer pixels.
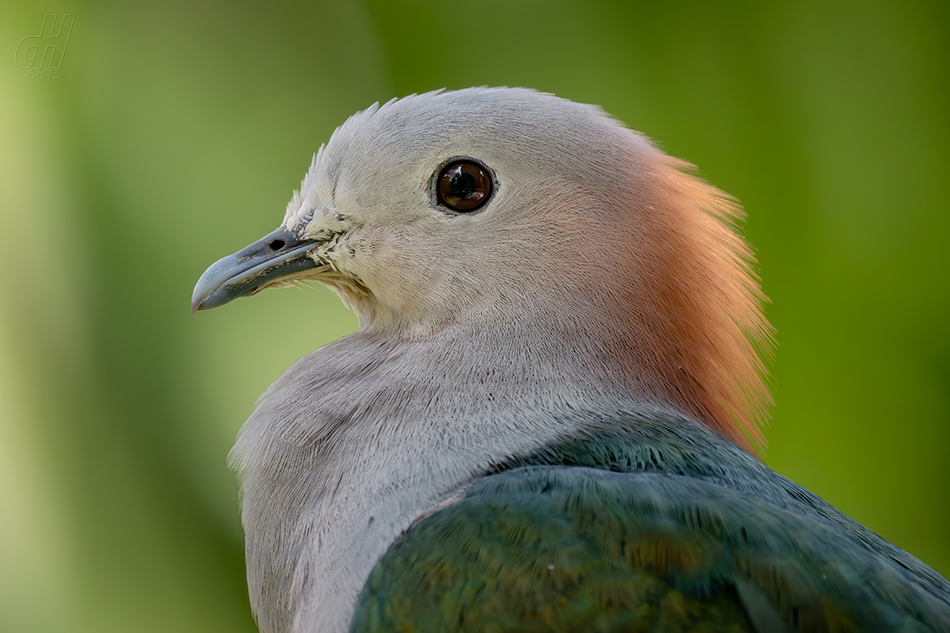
{"type": "Point", "coordinates": [549, 416]}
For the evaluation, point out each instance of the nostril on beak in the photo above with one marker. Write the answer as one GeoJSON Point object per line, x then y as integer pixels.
{"type": "Point", "coordinates": [276, 245]}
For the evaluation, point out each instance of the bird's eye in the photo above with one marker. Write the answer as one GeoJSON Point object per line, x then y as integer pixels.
{"type": "Point", "coordinates": [464, 186]}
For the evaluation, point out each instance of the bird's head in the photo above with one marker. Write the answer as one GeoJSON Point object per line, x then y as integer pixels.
{"type": "Point", "coordinates": [495, 205]}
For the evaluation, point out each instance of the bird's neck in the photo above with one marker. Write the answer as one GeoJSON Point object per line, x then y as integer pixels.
{"type": "Point", "coordinates": [384, 430]}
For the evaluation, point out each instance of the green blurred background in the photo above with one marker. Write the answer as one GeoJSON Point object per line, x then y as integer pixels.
{"type": "Point", "coordinates": [177, 130]}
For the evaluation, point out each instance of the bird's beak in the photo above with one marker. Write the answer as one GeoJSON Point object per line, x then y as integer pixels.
{"type": "Point", "coordinates": [278, 258]}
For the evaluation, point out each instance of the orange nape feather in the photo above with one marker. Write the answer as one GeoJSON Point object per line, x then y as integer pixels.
{"type": "Point", "coordinates": [697, 275]}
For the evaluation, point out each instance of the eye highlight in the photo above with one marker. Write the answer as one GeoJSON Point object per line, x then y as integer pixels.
{"type": "Point", "coordinates": [464, 186]}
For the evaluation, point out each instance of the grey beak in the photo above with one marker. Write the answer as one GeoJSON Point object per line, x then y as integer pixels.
{"type": "Point", "coordinates": [279, 256]}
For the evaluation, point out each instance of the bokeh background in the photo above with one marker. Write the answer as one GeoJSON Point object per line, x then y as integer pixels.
{"type": "Point", "coordinates": [176, 131]}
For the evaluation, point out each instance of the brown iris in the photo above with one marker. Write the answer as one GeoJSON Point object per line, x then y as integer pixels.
{"type": "Point", "coordinates": [464, 186]}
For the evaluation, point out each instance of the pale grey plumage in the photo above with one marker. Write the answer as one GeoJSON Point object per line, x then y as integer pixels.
{"type": "Point", "coordinates": [600, 284]}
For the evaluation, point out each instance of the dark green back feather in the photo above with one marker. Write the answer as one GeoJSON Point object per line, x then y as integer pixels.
{"type": "Point", "coordinates": [644, 531]}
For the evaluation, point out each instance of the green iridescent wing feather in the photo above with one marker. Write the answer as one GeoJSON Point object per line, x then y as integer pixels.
{"type": "Point", "coordinates": [559, 548]}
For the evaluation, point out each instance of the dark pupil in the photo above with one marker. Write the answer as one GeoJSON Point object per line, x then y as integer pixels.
{"type": "Point", "coordinates": [463, 185]}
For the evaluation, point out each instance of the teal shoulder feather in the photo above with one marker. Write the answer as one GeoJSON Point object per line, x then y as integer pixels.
{"type": "Point", "coordinates": [622, 546]}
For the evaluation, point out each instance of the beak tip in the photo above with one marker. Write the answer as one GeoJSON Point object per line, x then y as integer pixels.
{"type": "Point", "coordinates": [202, 297]}
{"type": "Point", "coordinates": [198, 296]}
{"type": "Point", "coordinates": [207, 291]}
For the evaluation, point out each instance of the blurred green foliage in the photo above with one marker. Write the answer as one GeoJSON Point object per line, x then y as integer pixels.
{"type": "Point", "coordinates": [176, 131]}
